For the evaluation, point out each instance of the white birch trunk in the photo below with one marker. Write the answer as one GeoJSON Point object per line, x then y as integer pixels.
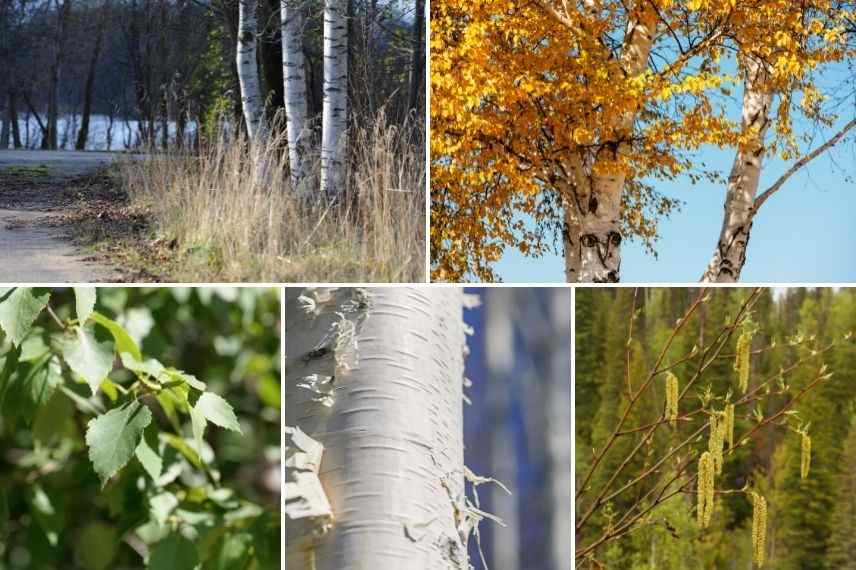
{"type": "Point", "coordinates": [499, 345]}
{"type": "Point", "coordinates": [334, 119]}
{"type": "Point", "coordinates": [559, 428]}
{"type": "Point", "coordinates": [730, 253]}
{"type": "Point", "coordinates": [592, 234]}
{"type": "Point", "coordinates": [374, 378]}
{"type": "Point", "coordinates": [294, 78]}
{"type": "Point", "coordinates": [248, 71]}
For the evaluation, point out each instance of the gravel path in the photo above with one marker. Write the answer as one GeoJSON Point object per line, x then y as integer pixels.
{"type": "Point", "coordinates": [31, 250]}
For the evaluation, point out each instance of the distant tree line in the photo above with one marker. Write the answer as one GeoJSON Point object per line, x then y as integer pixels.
{"type": "Point", "coordinates": [168, 69]}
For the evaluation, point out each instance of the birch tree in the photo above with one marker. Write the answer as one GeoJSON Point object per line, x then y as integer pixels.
{"type": "Point", "coordinates": [252, 103]}
{"type": "Point", "coordinates": [334, 120]}
{"type": "Point", "coordinates": [568, 115]}
{"type": "Point", "coordinates": [374, 443]}
{"type": "Point", "coordinates": [294, 78]}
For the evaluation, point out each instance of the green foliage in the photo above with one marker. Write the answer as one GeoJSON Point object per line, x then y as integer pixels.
{"type": "Point", "coordinates": [107, 462]}
{"type": "Point", "coordinates": [211, 81]}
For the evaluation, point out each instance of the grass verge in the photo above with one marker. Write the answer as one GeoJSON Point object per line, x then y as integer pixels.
{"type": "Point", "coordinates": [226, 213]}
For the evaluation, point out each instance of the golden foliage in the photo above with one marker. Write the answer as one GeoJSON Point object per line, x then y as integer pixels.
{"type": "Point", "coordinates": [530, 99]}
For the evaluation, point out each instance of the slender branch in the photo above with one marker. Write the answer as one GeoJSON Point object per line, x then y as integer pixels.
{"type": "Point", "coordinates": [777, 185]}
{"type": "Point", "coordinates": [56, 319]}
{"type": "Point", "coordinates": [600, 455]}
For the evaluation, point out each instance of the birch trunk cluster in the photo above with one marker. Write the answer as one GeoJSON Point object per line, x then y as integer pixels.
{"type": "Point", "coordinates": [374, 447]}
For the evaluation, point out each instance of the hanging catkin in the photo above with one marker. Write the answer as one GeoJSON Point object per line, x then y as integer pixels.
{"type": "Point", "coordinates": [741, 360]}
{"type": "Point", "coordinates": [805, 458]}
{"type": "Point", "coordinates": [729, 425]}
{"type": "Point", "coordinates": [716, 439]}
{"type": "Point", "coordinates": [705, 489]}
{"type": "Point", "coordinates": [672, 397]}
{"type": "Point", "coordinates": [759, 527]}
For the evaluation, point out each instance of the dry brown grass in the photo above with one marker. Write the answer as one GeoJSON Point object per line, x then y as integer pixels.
{"type": "Point", "coordinates": [232, 215]}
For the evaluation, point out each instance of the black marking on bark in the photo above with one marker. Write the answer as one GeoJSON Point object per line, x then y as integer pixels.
{"type": "Point", "coordinates": [316, 353]}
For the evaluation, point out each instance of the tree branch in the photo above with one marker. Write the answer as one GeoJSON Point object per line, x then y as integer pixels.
{"type": "Point", "coordinates": [765, 195]}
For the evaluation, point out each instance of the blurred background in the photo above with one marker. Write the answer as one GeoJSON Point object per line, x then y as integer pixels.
{"type": "Point", "coordinates": [517, 426]}
{"type": "Point", "coordinates": [53, 512]}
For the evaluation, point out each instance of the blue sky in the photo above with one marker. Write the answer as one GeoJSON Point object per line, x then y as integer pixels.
{"type": "Point", "coordinates": [804, 233]}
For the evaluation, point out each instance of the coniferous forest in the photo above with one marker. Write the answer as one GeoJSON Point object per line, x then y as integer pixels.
{"type": "Point", "coordinates": [715, 428]}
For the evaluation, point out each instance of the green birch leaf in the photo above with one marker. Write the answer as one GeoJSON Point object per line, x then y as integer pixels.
{"type": "Point", "coordinates": [45, 378]}
{"type": "Point", "coordinates": [198, 423]}
{"type": "Point", "coordinates": [124, 341]}
{"type": "Point", "coordinates": [148, 457]}
{"type": "Point", "coordinates": [18, 312]}
{"type": "Point", "coordinates": [10, 366]}
{"type": "Point", "coordinates": [173, 552]}
{"type": "Point", "coordinates": [149, 366]}
{"type": "Point", "coordinates": [217, 411]}
{"type": "Point", "coordinates": [113, 437]}
{"type": "Point", "coordinates": [84, 301]}
{"type": "Point", "coordinates": [88, 358]}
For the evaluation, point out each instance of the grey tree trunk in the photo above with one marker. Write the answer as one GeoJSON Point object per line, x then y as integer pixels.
{"type": "Point", "coordinates": [729, 256]}
{"type": "Point", "coordinates": [13, 118]}
{"type": "Point", "coordinates": [334, 120]}
{"type": "Point", "coordinates": [4, 134]}
{"type": "Point", "coordinates": [374, 443]}
{"type": "Point", "coordinates": [83, 134]}
{"type": "Point", "coordinates": [248, 70]}
{"type": "Point", "coordinates": [417, 64]}
{"type": "Point", "coordinates": [294, 78]}
{"type": "Point", "coordinates": [50, 139]}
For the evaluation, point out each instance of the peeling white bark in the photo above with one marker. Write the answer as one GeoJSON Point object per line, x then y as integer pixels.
{"type": "Point", "coordinates": [248, 71]}
{"type": "Point", "coordinates": [730, 253]}
{"type": "Point", "coordinates": [294, 78]}
{"type": "Point", "coordinates": [592, 236]}
{"type": "Point", "coordinates": [375, 377]}
{"type": "Point", "coordinates": [334, 120]}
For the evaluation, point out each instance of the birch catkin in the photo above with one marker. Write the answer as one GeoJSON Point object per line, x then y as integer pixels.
{"type": "Point", "coordinates": [741, 360]}
{"type": "Point", "coordinates": [805, 458]}
{"type": "Point", "coordinates": [759, 527]}
{"type": "Point", "coordinates": [705, 489]}
{"type": "Point", "coordinates": [672, 398]}
{"type": "Point", "coordinates": [729, 425]}
{"type": "Point", "coordinates": [716, 439]}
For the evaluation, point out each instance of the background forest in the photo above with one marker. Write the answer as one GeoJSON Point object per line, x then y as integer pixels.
{"type": "Point", "coordinates": [516, 425]}
{"type": "Point", "coordinates": [173, 507]}
{"type": "Point", "coordinates": [811, 522]}
{"type": "Point", "coordinates": [146, 67]}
